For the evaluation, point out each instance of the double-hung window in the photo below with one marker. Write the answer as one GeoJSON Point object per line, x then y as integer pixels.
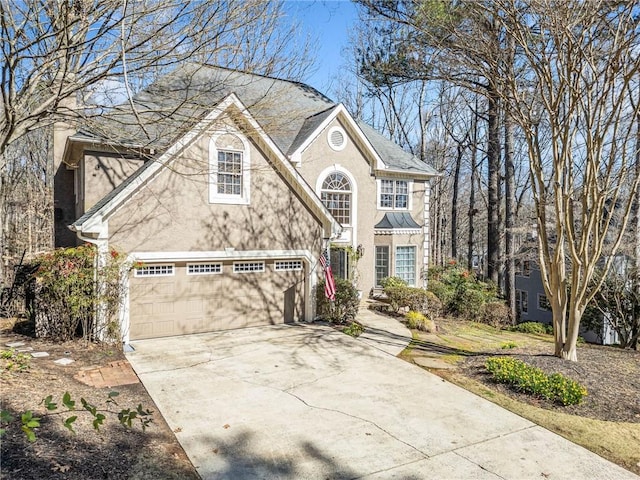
{"type": "Point", "coordinates": [229, 170]}
{"type": "Point", "coordinates": [229, 181]}
{"type": "Point", "coordinates": [406, 264]}
{"type": "Point", "coordinates": [393, 194]}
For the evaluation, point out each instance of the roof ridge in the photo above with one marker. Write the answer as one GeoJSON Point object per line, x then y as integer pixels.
{"type": "Point", "coordinates": [261, 75]}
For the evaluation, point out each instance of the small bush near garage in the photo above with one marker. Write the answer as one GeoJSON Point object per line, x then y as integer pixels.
{"type": "Point", "coordinates": [527, 379]}
{"type": "Point", "coordinates": [345, 307]}
{"type": "Point", "coordinates": [68, 294]}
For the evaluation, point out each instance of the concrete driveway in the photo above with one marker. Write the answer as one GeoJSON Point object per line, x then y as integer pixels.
{"type": "Point", "coordinates": [307, 402]}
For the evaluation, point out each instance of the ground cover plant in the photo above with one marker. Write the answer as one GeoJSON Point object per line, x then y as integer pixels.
{"type": "Point", "coordinates": [528, 379]}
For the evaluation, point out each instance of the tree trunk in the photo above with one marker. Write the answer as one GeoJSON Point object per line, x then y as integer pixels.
{"type": "Point", "coordinates": [454, 203]}
{"type": "Point", "coordinates": [493, 207]}
{"type": "Point", "coordinates": [472, 192]}
{"type": "Point", "coordinates": [636, 259]}
{"type": "Point", "coordinates": [509, 221]}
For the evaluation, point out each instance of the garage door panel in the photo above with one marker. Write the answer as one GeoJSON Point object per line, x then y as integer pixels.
{"type": "Point", "coordinates": [183, 303]}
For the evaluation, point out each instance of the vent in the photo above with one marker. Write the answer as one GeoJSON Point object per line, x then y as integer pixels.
{"type": "Point", "coordinates": [337, 138]}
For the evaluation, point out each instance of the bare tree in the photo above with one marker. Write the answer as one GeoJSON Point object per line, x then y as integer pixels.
{"type": "Point", "coordinates": [458, 42]}
{"type": "Point", "coordinates": [580, 64]}
{"type": "Point", "coordinates": [59, 56]}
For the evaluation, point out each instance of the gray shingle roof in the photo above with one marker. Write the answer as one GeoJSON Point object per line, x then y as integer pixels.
{"type": "Point", "coordinates": [287, 111]}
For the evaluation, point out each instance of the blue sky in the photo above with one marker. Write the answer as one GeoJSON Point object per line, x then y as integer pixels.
{"type": "Point", "coordinates": [328, 22]}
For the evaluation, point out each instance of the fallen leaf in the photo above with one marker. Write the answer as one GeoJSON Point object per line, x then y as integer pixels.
{"type": "Point", "coordinates": [226, 425]}
{"type": "Point", "coordinates": [60, 468]}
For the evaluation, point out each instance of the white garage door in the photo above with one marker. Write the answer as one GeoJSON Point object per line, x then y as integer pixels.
{"type": "Point", "coordinates": [167, 299]}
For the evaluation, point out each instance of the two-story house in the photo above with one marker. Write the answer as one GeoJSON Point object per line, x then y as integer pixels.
{"type": "Point", "coordinates": [228, 186]}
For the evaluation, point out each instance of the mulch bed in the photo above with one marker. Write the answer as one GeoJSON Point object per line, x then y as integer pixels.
{"type": "Point", "coordinates": [611, 377]}
{"type": "Point", "coordinates": [112, 453]}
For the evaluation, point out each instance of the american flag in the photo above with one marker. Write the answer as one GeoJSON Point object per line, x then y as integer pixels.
{"type": "Point", "coordinates": [329, 282]}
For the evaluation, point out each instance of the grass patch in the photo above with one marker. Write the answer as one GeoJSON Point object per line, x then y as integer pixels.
{"type": "Point", "coordinates": [354, 329]}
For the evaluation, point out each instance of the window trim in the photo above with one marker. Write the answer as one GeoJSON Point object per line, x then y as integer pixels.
{"type": "Point", "coordinates": [375, 263]}
{"type": "Point", "coordinates": [415, 263]}
{"type": "Point", "coordinates": [354, 194]}
{"type": "Point", "coordinates": [523, 268]}
{"type": "Point", "coordinates": [260, 263]}
{"type": "Point", "coordinates": [213, 264]}
{"type": "Point", "coordinates": [214, 196]}
{"type": "Point", "coordinates": [409, 206]}
{"type": "Point", "coordinates": [540, 306]}
{"type": "Point", "coordinates": [519, 302]}
{"type": "Point", "coordinates": [289, 265]}
{"type": "Point", "coordinates": [137, 272]}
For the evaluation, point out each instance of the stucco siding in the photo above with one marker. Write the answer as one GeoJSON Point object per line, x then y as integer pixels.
{"type": "Point", "coordinates": [102, 172]}
{"type": "Point", "coordinates": [172, 212]}
{"type": "Point", "coordinates": [319, 159]}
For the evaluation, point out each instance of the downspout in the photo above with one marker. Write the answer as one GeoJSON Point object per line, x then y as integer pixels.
{"type": "Point", "coordinates": [102, 246]}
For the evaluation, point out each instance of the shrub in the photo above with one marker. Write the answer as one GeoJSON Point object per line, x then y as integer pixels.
{"type": "Point", "coordinates": [460, 291]}
{"type": "Point", "coordinates": [434, 306]}
{"type": "Point", "coordinates": [354, 329]}
{"type": "Point", "coordinates": [417, 321]}
{"type": "Point", "coordinates": [392, 282]}
{"type": "Point", "coordinates": [400, 295]}
{"type": "Point", "coordinates": [535, 328]}
{"type": "Point", "coordinates": [527, 379]}
{"type": "Point", "coordinates": [345, 307]}
{"type": "Point", "coordinates": [67, 294]}
{"type": "Point", "coordinates": [441, 291]}
{"type": "Point", "coordinates": [417, 299]}
{"type": "Point", "coordinates": [397, 296]}
{"type": "Point", "coordinates": [567, 391]}
{"type": "Point", "coordinates": [496, 314]}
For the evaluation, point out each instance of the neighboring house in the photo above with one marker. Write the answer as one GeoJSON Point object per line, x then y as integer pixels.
{"type": "Point", "coordinates": [230, 214]}
{"type": "Point", "coordinates": [532, 304]}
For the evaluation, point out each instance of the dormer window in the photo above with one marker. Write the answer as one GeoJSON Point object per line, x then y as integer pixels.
{"type": "Point", "coordinates": [228, 170]}
{"type": "Point", "coordinates": [394, 194]}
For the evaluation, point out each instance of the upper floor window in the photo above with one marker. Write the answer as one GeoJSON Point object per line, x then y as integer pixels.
{"type": "Point", "coordinates": [523, 268]}
{"type": "Point", "coordinates": [229, 170]}
{"type": "Point", "coordinates": [393, 194]}
{"type": "Point", "coordinates": [336, 196]}
{"type": "Point", "coordinates": [229, 181]}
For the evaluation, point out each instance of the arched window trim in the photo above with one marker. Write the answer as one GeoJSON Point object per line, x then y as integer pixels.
{"type": "Point", "coordinates": [354, 193]}
{"type": "Point", "coordinates": [214, 196]}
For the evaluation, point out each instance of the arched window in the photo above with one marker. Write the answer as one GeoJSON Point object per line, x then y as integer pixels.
{"type": "Point", "coordinates": [336, 196]}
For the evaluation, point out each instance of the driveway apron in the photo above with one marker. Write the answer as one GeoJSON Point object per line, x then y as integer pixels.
{"type": "Point", "coordinates": [305, 401]}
